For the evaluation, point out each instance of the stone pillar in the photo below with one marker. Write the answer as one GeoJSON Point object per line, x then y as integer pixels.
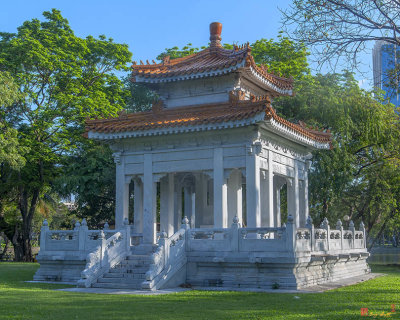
{"type": "Point", "coordinates": [264, 198]}
{"type": "Point", "coordinates": [138, 205]}
{"type": "Point", "coordinates": [235, 196]}
{"type": "Point", "coordinates": [200, 200]}
{"type": "Point", "coordinates": [167, 207]}
{"type": "Point", "coordinates": [267, 219]}
{"type": "Point", "coordinates": [293, 196]}
{"type": "Point", "coordinates": [220, 191]}
{"type": "Point", "coordinates": [278, 184]}
{"type": "Point", "coordinates": [149, 201]}
{"type": "Point", "coordinates": [121, 192]}
{"type": "Point", "coordinates": [253, 187]}
{"type": "Point", "coordinates": [178, 206]}
{"type": "Point", "coordinates": [190, 205]}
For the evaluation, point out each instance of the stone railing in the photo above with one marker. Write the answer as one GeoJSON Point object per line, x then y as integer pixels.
{"type": "Point", "coordinates": [236, 239]}
{"type": "Point", "coordinates": [287, 238]}
{"type": "Point", "coordinates": [110, 252]}
{"type": "Point", "coordinates": [327, 240]}
{"type": "Point", "coordinates": [168, 259]}
{"type": "Point", "coordinates": [77, 242]}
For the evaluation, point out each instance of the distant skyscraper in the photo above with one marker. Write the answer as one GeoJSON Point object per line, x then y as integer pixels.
{"type": "Point", "coordinates": [384, 59]}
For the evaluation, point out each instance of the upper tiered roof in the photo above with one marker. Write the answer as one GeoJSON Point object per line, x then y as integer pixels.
{"type": "Point", "coordinates": [211, 62]}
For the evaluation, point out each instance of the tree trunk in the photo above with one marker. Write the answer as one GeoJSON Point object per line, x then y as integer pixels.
{"type": "Point", "coordinates": [22, 236]}
{"type": "Point", "coordinates": [4, 251]}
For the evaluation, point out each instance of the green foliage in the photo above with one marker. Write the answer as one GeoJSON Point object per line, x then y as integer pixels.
{"type": "Point", "coordinates": [90, 178]}
{"type": "Point", "coordinates": [64, 79]}
{"type": "Point", "coordinates": [283, 57]}
{"type": "Point", "coordinates": [358, 177]}
{"type": "Point", "coordinates": [11, 152]}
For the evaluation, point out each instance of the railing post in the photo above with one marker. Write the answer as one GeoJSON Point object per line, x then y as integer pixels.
{"type": "Point", "coordinates": [102, 247]}
{"type": "Point", "coordinates": [185, 225]}
{"type": "Point", "coordinates": [164, 244]}
{"type": "Point", "coordinates": [43, 235]}
{"type": "Point", "coordinates": [290, 234]}
{"type": "Point", "coordinates": [362, 229]}
{"type": "Point", "coordinates": [82, 235]}
{"type": "Point", "coordinates": [352, 229]}
{"type": "Point", "coordinates": [310, 226]}
{"type": "Point", "coordinates": [339, 226]}
{"type": "Point", "coordinates": [127, 228]}
{"type": "Point", "coordinates": [235, 234]}
{"type": "Point", "coordinates": [325, 225]}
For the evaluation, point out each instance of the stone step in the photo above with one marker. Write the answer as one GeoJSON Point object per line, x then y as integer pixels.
{"type": "Point", "coordinates": [139, 257]}
{"type": "Point", "coordinates": [125, 276]}
{"type": "Point", "coordinates": [128, 270]}
{"type": "Point", "coordinates": [117, 286]}
{"type": "Point", "coordinates": [134, 263]}
{"type": "Point", "coordinates": [121, 281]}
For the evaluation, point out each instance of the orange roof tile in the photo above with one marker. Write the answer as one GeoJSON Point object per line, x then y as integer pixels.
{"type": "Point", "coordinates": [233, 111]}
{"type": "Point", "coordinates": [212, 61]}
{"type": "Point", "coordinates": [208, 62]}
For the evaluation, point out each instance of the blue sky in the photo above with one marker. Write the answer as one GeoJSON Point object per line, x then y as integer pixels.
{"type": "Point", "coordinates": [148, 27]}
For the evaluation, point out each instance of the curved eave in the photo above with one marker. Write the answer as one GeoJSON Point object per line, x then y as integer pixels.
{"type": "Point", "coordinates": [189, 76]}
{"type": "Point", "coordinates": [252, 74]}
{"type": "Point", "coordinates": [291, 134]}
{"type": "Point", "coordinates": [177, 129]}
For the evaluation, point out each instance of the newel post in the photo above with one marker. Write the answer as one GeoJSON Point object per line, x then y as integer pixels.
{"type": "Point", "coordinates": [103, 243]}
{"type": "Point", "coordinates": [339, 226]}
{"type": "Point", "coordinates": [352, 229]}
{"type": "Point", "coordinates": [163, 242]}
{"type": "Point", "coordinates": [290, 234]}
{"type": "Point", "coordinates": [235, 234]}
{"type": "Point", "coordinates": [325, 225]}
{"type": "Point", "coordinates": [43, 235]}
{"type": "Point", "coordinates": [362, 229]}
{"type": "Point", "coordinates": [185, 225]}
{"type": "Point", "coordinates": [310, 226]}
{"type": "Point", "coordinates": [82, 230]}
{"type": "Point", "coordinates": [127, 228]}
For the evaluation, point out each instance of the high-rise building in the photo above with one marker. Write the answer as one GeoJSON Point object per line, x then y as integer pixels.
{"type": "Point", "coordinates": [384, 60]}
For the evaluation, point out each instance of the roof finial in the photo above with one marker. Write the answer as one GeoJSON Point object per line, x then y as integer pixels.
{"type": "Point", "coordinates": [215, 34]}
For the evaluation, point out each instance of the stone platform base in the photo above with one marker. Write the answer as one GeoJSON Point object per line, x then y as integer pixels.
{"type": "Point", "coordinates": [60, 269]}
{"type": "Point", "coordinates": [298, 274]}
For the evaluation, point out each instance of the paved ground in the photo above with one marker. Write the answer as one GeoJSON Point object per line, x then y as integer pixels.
{"type": "Point", "coordinates": [313, 289]}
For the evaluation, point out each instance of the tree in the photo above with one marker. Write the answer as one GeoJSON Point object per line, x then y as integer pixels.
{"type": "Point", "coordinates": [64, 79]}
{"type": "Point", "coordinates": [337, 31]}
{"type": "Point", "coordinates": [358, 176]}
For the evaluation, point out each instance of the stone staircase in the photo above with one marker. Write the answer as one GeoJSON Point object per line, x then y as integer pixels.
{"type": "Point", "coordinates": [130, 273]}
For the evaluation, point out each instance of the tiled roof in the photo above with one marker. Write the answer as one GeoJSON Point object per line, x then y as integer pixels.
{"type": "Point", "coordinates": [211, 61]}
{"type": "Point", "coordinates": [234, 111]}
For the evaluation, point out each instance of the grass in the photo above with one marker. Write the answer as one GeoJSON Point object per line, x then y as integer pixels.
{"type": "Point", "coordinates": [21, 300]}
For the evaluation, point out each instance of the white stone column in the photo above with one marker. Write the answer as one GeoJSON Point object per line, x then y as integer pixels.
{"type": "Point", "coordinates": [190, 205]}
{"type": "Point", "coordinates": [138, 205]}
{"type": "Point", "coordinates": [270, 222]}
{"type": "Point", "coordinates": [200, 199]}
{"type": "Point", "coordinates": [253, 189]}
{"type": "Point", "coordinates": [149, 201]}
{"type": "Point", "coordinates": [167, 195]}
{"type": "Point", "coordinates": [303, 201]}
{"type": "Point", "coordinates": [279, 182]}
{"type": "Point", "coordinates": [220, 191]}
{"type": "Point", "coordinates": [235, 197]}
{"type": "Point", "coordinates": [178, 206]}
{"type": "Point", "coordinates": [293, 196]}
{"type": "Point", "coordinates": [121, 192]}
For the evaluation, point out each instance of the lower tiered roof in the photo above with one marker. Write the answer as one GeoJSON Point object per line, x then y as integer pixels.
{"type": "Point", "coordinates": [238, 113]}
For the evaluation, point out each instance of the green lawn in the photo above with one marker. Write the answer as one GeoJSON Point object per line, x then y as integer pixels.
{"type": "Point", "coordinates": [20, 300]}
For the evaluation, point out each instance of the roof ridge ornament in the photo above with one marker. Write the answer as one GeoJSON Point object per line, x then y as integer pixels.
{"type": "Point", "coordinates": [215, 35]}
